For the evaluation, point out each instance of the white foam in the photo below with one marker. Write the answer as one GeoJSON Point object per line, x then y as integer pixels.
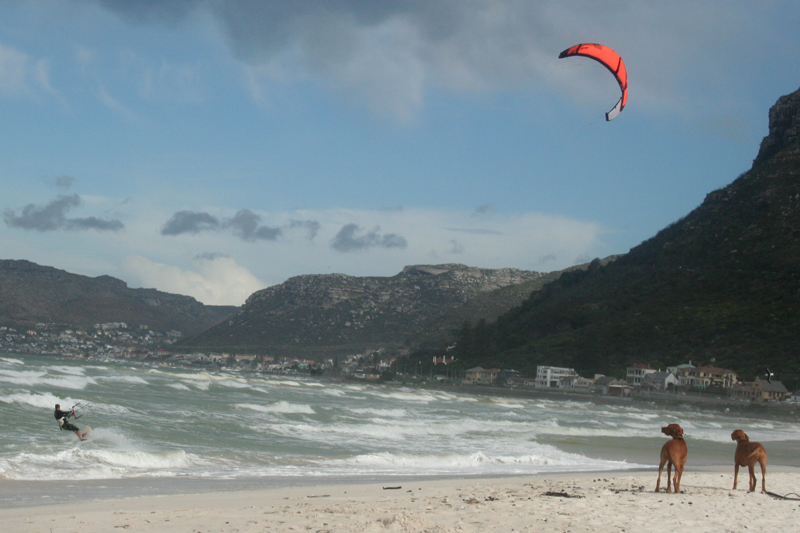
{"type": "Point", "coordinates": [199, 376]}
{"type": "Point", "coordinates": [411, 396]}
{"type": "Point", "coordinates": [40, 401]}
{"type": "Point", "coordinates": [170, 459]}
{"type": "Point", "coordinates": [234, 383]}
{"type": "Point", "coordinates": [71, 370]}
{"type": "Point", "coordinates": [547, 458]}
{"type": "Point", "coordinates": [84, 462]}
{"type": "Point", "coordinates": [135, 380]}
{"type": "Point", "coordinates": [507, 404]}
{"type": "Point", "coordinates": [284, 382]}
{"type": "Point", "coordinates": [281, 407]}
{"type": "Point", "coordinates": [31, 378]}
{"type": "Point", "coordinates": [12, 361]}
{"type": "Point", "coordinates": [392, 413]}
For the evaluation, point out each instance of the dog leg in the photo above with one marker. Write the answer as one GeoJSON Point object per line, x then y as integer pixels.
{"type": "Point", "coordinates": [660, 469]}
{"type": "Point", "coordinates": [677, 481]}
{"type": "Point", "coordinates": [669, 475]}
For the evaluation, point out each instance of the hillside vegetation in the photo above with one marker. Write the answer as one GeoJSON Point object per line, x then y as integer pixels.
{"type": "Point", "coordinates": [721, 286]}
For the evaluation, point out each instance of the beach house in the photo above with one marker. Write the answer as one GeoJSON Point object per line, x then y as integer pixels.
{"type": "Point", "coordinates": [480, 376]}
{"type": "Point", "coordinates": [552, 376]}
{"type": "Point", "coordinates": [659, 381]}
{"type": "Point", "coordinates": [769, 391]}
{"type": "Point", "coordinates": [634, 374]}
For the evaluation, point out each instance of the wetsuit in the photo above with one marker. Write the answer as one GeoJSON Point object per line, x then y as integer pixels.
{"type": "Point", "coordinates": [62, 417]}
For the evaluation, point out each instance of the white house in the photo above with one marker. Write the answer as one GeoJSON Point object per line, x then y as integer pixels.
{"type": "Point", "coordinates": [660, 380]}
{"type": "Point", "coordinates": [636, 373]}
{"type": "Point", "coordinates": [551, 376]}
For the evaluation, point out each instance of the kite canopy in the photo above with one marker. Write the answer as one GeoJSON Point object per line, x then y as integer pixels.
{"type": "Point", "coordinates": [609, 59]}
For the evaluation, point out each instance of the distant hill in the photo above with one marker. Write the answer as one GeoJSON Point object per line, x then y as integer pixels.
{"type": "Point", "coordinates": [721, 286]}
{"type": "Point", "coordinates": [331, 314]}
{"type": "Point", "coordinates": [30, 293]}
{"type": "Point", "coordinates": [486, 307]}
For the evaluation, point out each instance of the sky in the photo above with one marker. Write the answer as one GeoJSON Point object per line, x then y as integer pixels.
{"type": "Point", "coordinates": [214, 148]}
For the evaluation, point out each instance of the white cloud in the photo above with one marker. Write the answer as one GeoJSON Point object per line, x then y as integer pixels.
{"type": "Point", "coordinates": [216, 280]}
{"type": "Point", "coordinates": [21, 76]}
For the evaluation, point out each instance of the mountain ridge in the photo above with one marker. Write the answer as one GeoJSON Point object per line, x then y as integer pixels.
{"type": "Point", "coordinates": [31, 293]}
{"type": "Point", "coordinates": [320, 314]}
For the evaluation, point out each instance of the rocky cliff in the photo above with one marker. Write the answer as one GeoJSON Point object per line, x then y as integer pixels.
{"type": "Point", "coordinates": [335, 313]}
{"type": "Point", "coordinates": [783, 140]}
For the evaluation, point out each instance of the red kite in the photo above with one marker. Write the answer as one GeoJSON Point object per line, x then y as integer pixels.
{"type": "Point", "coordinates": [609, 59]}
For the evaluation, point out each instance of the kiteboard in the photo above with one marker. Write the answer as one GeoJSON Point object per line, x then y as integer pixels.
{"type": "Point", "coordinates": [86, 432]}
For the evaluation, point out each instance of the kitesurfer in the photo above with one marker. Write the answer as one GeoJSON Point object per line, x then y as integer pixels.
{"type": "Point", "coordinates": [63, 416]}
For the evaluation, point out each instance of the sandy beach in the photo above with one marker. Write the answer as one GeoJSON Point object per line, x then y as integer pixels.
{"type": "Point", "coordinates": [577, 502]}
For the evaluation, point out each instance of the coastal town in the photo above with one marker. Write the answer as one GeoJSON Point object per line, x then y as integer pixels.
{"type": "Point", "coordinates": [118, 341]}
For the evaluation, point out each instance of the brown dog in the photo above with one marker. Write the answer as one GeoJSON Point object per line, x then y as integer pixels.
{"type": "Point", "coordinates": [748, 454]}
{"type": "Point", "coordinates": [673, 452]}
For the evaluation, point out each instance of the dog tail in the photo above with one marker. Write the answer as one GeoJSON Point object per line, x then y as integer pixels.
{"type": "Point", "coordinates": [754, 452]}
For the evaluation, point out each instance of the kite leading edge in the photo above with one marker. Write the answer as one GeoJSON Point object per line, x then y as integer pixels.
{"type": "Point", "coordinates": [609, 59]}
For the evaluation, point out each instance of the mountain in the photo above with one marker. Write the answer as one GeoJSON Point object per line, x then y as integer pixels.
{"type": "Point", "coordinates": [720, 286]}
{"type": "Point", "coordinates": [30, 293]}
{"type": "Point", "coordinates": [332, 314]}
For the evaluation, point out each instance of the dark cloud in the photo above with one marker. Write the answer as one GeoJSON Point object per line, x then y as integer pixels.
{"type": "Point", "coordinates": [549, 258]}
{"type": "Point", "coordinates": [351, 238]}
{"type": "Point", "coordinates": [64, 182]}
{"type": "Point", "coordinates": [484, 209]}
{"type": "Point", "coordinates": [210, 256]}
{"type": "Point", "coordinates": [311, 227]}
{"type": "Point", "coordinates": [245, 224]}
{"type": "Point", "coordinates": [189, 222]}
{"type": "Point", "coordinates": [457, 248]}
{"type": "Point", "coordinates": [53, 217]}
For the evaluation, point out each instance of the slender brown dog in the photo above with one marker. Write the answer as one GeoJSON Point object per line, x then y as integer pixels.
{"type": "Point", "coordinates": [673, 452]}
{"type": "Point", "coordinates": [748, 454]}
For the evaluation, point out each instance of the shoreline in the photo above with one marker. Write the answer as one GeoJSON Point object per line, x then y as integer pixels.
{"type": "Point", "coordinates": [588, 501]}
{"type": "Point", "coordinates": [29, 493]}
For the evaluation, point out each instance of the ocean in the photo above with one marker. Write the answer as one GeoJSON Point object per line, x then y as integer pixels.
{"type": "Point", "coordinates": [161, 422]}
